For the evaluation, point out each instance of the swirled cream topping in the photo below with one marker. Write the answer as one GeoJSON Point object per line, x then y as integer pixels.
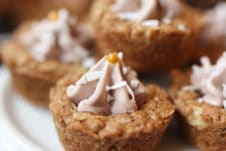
{"type": "Point", "coordinates": [210, 80]}
{"type": "Point", "coordinates": [58, 36]}
{"type": "Point", "coordinates": [216, 23]}
{"type": "Point", "coordinates": [109, 87]}
{"type": "Point", "coordinates": [151, 10]}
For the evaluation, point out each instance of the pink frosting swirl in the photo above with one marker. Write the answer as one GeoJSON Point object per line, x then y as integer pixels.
{"type": "Point", "coordinates": [109, 87]}
{"type": "Point", "coordinates": [210, 80]}
{"type": "Point", "coordinates": [58, 37]}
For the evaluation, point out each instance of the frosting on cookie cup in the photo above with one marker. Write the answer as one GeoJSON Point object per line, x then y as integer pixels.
{"type": "Point", "coordinates": [105, 123]}
{"type": "Point", "coordinates": [35, 62]}
{"type": "Point", "coordinates": [152, 44]}
{"type": "Point", "coordinates": [199, 98]}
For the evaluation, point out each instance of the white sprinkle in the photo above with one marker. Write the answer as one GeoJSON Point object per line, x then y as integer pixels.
{"type": "Point", "coordinates": [116, 86]}
{"type": "Point", "coordinates": [89, 77]}
{"type": "Point", "coordinates": [166, 20]}
{"type": "Point", "coordinates": [109, 98]}
{"type": "Point", "coordinates": [132, 16]}
{"type": "Point", "coordinates": [70, 90]}
{"type": "Point", "coordinates": [134, 83]}
{"type": "Point", "coordinates": [224, 90]}
{"type": "Point", "coordinates": [224, 104]}
{"type": "Point", "coordinates": [124, 70]}
{"type": "Point", "coordinates": [88, 62]}
{"type": "Point", "coordinates": [224, 54]}
{"type": "Point", "coordinates": [188, 88]}
{"type": "Point", "coordinates": [120, 55]}
{"type": "Point", "coordinates": [205, 61]}
{"type": "Point", "coordinates": [81, 81]}
{"type": "Point", "coordinates": [121, 85]}
{"type": "Point", "coordinates": [156, 98]}
{"type": "Point", "coordinates": [139, 91]}
{"type": "Point", "coordinates": [92, 76]}
{"type": "Point", "coordinates": [200, 100]}
{"type": "Point", "coordinates": [151, 23]}
{"type": "Point", "coordinates": [181, 27]}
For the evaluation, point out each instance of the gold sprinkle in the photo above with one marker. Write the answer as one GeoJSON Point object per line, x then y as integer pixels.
{"type": "Point", "coordinates": [53, 15]}
{"type": "Point", "coordinates": [113, 58]}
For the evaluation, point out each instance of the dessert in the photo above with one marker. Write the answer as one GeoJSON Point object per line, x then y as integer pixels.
{"type": "Point", "coordinates": [199, 96]}
{"type": "Point", "coordinates": [109, 109]}
{"type": "Point", "coordinates": [42, 52]}
{"type": "Point", "coordinates": [154, 35]}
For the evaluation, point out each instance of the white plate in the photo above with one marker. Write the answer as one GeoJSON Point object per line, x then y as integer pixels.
{"type": "Point", "coordinates": [25, 127]}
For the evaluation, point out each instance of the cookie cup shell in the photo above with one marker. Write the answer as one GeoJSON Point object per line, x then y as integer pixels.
{"type": "Point", "coordinates": [204, 125]}
{"type": "Point", "coordinates": [33, 79]}
{"type": "Point", "coordinates": [140, 130]}
{"type": "Point", "coordinates": [146, 49]}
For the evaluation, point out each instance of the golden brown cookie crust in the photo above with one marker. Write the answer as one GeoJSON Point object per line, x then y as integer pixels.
{"type": "Point", "coordinates": [31, 78]}
{"type": "Point", "coordinates": [203, 124]}
{"type": "Point", "coordinates": [141, 130]}
{"type": "Point", "coordinates": [146, 49]}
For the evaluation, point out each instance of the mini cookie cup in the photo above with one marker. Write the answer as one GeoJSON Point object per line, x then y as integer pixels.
{"type": "Point", "coordinates": [33, 79]}
{"type": "Point", "coordinates": [146, 49]}
{"type": "Point", "coordinates": [140, 130]}
{"type": "Point", "coordinates": [204, 125]}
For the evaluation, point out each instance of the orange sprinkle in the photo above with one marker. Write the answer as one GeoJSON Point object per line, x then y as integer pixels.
{"type": "Point", "coordinates": [112, 58]}
{"type": "Point", "coordinates": [53, 15]}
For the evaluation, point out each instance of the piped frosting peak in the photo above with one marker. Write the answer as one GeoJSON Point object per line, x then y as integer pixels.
{"type": "Point", "coordinates": [109, 87]}
{"type": "Point", "coordinates": [210, 80]}
{"type": "Point", "coordinates": [59, 36]}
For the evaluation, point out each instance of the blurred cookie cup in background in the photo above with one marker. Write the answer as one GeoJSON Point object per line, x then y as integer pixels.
{"type": "Point", "coordinates": [155, 36]}
{"type": "Point", "coordinates": [199, 96]}
{"type": "Point", "coordinates": [39, 53]}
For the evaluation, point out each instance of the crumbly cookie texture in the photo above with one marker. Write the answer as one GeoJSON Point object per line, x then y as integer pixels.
{"type": "Point", "coordinates": [152, 45]}
{"type": "Point", "coordinates": [202, 123]}
{"type": "Point", "coordinates": [140, 130]}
